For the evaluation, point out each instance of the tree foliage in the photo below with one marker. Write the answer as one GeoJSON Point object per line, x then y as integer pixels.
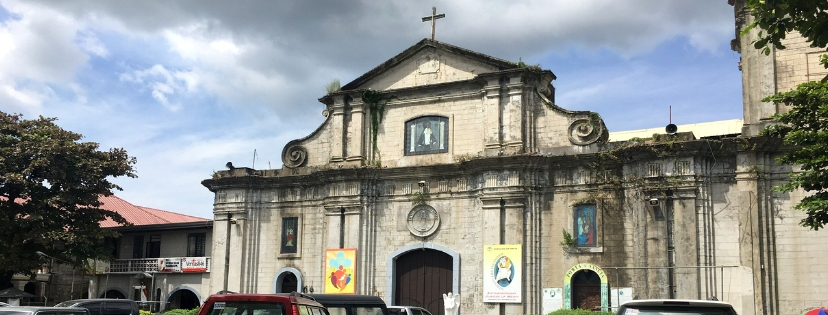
{"type": "Point", "coordinates": [777, 18]}
{"type": "Point", "coordinates": [805, 125]}
{"type": "Point", "coordinates": [50, 185]}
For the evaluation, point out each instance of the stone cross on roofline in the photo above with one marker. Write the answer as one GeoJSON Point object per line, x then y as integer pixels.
{"type": "Point", "coordinates": [434, 16]}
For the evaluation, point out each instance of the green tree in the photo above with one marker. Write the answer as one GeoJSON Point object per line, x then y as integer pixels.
{"type": "Point", "coordinates": [777, 18]}
{"type": "Point", "coordinates": [50, 184]}
{"type": "Point", "coordinates": [805, 125]}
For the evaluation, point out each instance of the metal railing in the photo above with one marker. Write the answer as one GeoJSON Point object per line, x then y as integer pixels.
{"type": "Point", "coordinates": [143, 265]}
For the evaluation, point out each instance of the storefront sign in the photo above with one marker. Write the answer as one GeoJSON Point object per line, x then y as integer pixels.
{"type": "Point", "coordinates": [194, 264]}
{"type": "Point", "coordinates": [169, 265]}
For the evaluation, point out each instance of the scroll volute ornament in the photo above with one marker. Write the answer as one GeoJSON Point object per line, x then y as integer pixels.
{"type": "Point", "coordinates": [294, 155]}
{"type": "Point", "coordinates": [586, 131]}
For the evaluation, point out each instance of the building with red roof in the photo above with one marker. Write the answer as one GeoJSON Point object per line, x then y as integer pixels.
{"type": "Point", "coordinates": [156, 243]}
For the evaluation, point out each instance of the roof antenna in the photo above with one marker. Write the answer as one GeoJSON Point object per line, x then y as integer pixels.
{"type": "Point", "coordinates": [671, 129]}
{"type": "Point", "coordinates": [254, 159]}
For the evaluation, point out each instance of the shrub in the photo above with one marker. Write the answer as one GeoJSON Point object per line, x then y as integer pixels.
{"type": "Point", "coordinates": [578, 312]}
{"type": "Point", "coordinates": [181, 312]}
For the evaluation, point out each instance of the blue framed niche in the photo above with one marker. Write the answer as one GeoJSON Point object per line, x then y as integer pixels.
{"type": "Point", "coordinates": [426, 135]}
{"type": "Point", "coordinates": [584, 226]}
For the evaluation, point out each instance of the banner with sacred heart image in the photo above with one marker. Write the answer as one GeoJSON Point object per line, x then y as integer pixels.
{"type": "Point", "coordinates": [340, 267]}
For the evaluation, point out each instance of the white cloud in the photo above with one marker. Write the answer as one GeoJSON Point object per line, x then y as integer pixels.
{"type": "Point", "coordinates": [91, 44]}
{"type": "Point", "coordinates": [19, 101]}
{"type": "Point", "coordinates": [231, 77]}
{"type": "Point", "coordinates": [164, 83]}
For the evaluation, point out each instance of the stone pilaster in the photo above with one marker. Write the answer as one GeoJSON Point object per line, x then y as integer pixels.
{"type": "Point", "coordinates": [358, 131]}
{"type": "Point", "coordinates": [512, 113]}
{"type": "Point", "coordinates": [338, 125]}
{"type": "Point", "coordinates": [749, 232]}
{"type": "Point", "coordinates": [491, 107]}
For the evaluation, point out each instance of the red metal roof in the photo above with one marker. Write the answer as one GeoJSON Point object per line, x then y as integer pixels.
{"type": "Point", "coordinates": [139, 215]}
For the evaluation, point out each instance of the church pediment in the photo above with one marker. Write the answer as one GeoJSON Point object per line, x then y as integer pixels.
{"type": "Point", "coordinates": [428, 63]}
{"type": "Point", "coordinates": [436, 104]}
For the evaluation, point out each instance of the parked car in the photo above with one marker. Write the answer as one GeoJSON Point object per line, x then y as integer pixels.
{"type": "Point", "coordinates": [261, 304]}
{"type": "Point", "coordinates": [42, 310]}
{"type": "Point", "coordinates": [407, 310]}
{"type": "Point", "coordinates": [346, 304]}
{"type": "Point", "coordinates": [685, 307]}
{"type": "Point", "coordinates": [104, 306]}
{"type": "Point", "coordinates": [3, 304]}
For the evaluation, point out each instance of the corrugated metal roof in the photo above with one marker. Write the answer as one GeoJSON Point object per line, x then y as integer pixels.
{"type": "Point", "coordinates": [139, 215]}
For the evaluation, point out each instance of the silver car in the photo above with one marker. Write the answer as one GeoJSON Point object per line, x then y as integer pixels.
{"type": "Point", "coordinates": [42, 310]}
{"type": "Point", "coordinates": [683, 307]}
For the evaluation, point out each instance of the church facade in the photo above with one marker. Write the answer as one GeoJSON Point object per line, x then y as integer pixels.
{"type": "Point", "coordinates": [446, 170]}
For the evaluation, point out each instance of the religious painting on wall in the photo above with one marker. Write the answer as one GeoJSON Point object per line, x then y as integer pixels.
{"type": "Point", "coordinates": [426, 135]}
{"type": "Point", "coordinates": [585, 225]}
{"type": "Point", "coordinates": [340, 271]}
{"type": "Point", "coordinates": [290, 232]}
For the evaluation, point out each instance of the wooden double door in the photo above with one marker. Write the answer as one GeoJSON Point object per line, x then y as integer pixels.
{"type": "Point", "coordinates": [423, 276]}
{"type": "Point", "coordinates": [586, 290]}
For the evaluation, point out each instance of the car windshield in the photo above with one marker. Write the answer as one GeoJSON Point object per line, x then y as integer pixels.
{"type": "Point", "coordinates": [247, 308]}
{"type": "Point", "coordinates": [66, 304]}
{"type": "Point", "coordinates": [368, 311]}
{"type": "Point", "coordinates": [684, 310]}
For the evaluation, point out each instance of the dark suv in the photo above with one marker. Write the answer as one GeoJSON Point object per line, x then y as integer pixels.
{"type": "Point", "coordinates": [349, 304]}
{"type": "Point", "coordinates": [683, 307]}
{"type": "Point", "coordinates": [261, 304]}
{"type": "Point", "coordinates": [104, 306]}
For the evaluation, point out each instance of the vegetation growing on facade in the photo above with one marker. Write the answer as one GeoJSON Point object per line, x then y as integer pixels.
{"type": "Point", "coordinates": [376, 103]}
{"type": "Point", "coordinates": [419, 197]}
{"type": "Point", "coordinates": [521, 64]}
{"type": "Point", "coordinates": [568, 240]}
{"type": "Point", "coordinates": [333, 86]}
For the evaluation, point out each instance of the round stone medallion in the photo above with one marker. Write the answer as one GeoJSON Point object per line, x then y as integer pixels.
{"type": "Point", "coordinates": [423, 220]}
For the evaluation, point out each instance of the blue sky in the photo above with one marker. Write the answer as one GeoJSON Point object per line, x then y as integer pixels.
{"type": "Point", "coordinates": [186, 86]}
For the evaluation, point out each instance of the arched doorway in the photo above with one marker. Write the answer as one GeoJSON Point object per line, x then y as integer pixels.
{"type": "Point", "coordinates": [586, 290]}
{"type": "Point", "coordinates": [422, 276]}
{"type": "Point", "coordinates": [183, 299]}
{"type": "Point", "coordinates": [586, 287]}
{"type": "Point", "coordinates": [31, 288]}
{"type": "Point", "coordinates": [289, 283]}
{"type": "Point", "coordinates": [289, 280]}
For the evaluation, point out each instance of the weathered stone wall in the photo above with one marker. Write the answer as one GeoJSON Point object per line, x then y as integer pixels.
{"type": "Point", "coordinates": [703, 224]}
{"type": "Point", "coordinates": [797, 63]}
{"type": "Point", "coordinates": [429, 66]}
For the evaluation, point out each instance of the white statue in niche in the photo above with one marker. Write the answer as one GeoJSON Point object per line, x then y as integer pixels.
{"type": "Point", "coordinates": [451, 303]}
